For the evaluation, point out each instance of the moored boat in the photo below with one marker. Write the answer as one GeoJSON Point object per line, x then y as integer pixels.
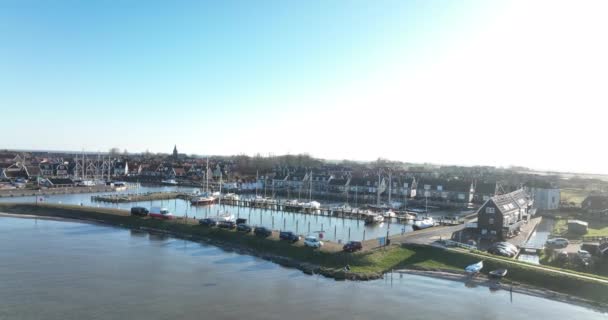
{"type": "Point", "coordinates": [231, 197]}
{"type": "Point", "coordinates": [373, 218]}
{"type": "Point", "coordinates": [389, 214]}
{"type": "Point", "coordinates": [474, 268]}
{"type": "Point", "coordinates": [169, 182]}
{"type": "Point", "coordinates": [203, 199]}
{"type": "Point", "coordinates": [424, 223]}
{"type": "Point", "coordinates": [498, 273]}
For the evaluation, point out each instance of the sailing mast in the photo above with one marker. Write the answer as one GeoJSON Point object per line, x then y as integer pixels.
{"type": "Point", "coordinates": [207, 177]}
{"type": "Point", "coordinates": [310, 187]}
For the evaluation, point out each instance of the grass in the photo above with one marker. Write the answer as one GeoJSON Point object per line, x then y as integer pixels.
{"type": "Point", "coordinates": [575, 196]}
{"type": "Point", "coordinates": [362, 263]}
{"type": "Point", "coordinates": [598, 230]}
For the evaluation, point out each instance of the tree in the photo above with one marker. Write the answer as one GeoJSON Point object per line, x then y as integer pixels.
{"type": "Point", "coordinates": [114, 151]}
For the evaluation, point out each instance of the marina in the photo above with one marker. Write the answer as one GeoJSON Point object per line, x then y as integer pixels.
{"type": "Point", "coordinates": [335, 223]}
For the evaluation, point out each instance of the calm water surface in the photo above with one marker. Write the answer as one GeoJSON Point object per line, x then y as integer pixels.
{"type": "Point", "coordinates": [67, 270]}
{"type": "Point", "coordinates": [334, 228]}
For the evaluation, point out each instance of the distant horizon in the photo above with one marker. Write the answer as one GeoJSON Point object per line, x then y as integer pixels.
{"type": "Point", "coordinates": [536, 170]}
{"type": "Point", "coordinates": [500, 83]}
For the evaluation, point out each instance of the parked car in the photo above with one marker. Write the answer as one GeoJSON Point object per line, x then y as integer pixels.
{"type": "Point", "coordinates": [584, 254]}
{"type": "Point", "coordinates": [241, 221]}
{"type": "Point", "coordinates": [289, 236]}
{"type": "Point", "coordinates": [226, 224]}
{"type": "Point", "coordinates": [558, 243]}
{"type": "Point", "coordinates": [243, 228]}
{"type": "Point", "coordinates": [313, 242]}
{"type": "Point", "coordinates": [262, 232]}
{"type": "Point", "coordinates": [161, 213]}
{"type": "Point", "coordinates": [207, 222]}
{"type": "Point", "coordinates": [504, 249]}
{"type": "Point", "coordinates": [139, 211]}
{"type": "Point", "coordinates": [352, 246]}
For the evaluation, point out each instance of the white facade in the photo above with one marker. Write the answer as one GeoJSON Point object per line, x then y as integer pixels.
{"type": "Point", "coordinates": [546, 199]}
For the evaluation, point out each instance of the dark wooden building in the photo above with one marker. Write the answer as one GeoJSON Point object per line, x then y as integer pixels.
{"type": "Point", "coordinates": [502, 215]}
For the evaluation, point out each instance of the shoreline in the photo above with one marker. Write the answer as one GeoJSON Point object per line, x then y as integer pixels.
{"type": "Point", "coordinates": [280, 252]}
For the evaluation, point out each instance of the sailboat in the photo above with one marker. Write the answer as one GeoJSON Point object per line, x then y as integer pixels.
{"type": "Point", "coordinates": [206, 197]}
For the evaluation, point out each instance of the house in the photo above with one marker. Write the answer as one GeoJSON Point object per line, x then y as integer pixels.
{"type": "Point", "coordinates": [16, 171]}
{"type": "Point", "coordinates": [546, 198]}
{"type": "Point", "coordinates": [596, 205]}
{"type": "Point", "coordinates": [501, 216]}
{"type": "Point", "coordinates": [60, 182]}
{"type": "Point", "coordinates": [62, 170]}
{"type": "Point", "coordinates": [179, 172]}
{"type": "Point", "coordinates": [121, 168]}
{"type": "Point", "coordinates": [47, 169]}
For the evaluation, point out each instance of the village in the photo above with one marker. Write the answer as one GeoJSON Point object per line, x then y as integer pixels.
{"type": "Point", "coordinates": [540, 218]}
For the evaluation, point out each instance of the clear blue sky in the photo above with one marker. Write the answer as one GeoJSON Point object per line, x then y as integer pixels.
{"type": "Point", "coordinates": [337, 79]}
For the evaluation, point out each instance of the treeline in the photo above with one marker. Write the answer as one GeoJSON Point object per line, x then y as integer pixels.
{"type": "Point", "coordinates": [262, 164]}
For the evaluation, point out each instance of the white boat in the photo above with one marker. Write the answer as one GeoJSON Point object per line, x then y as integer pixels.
{"type": "Point", "coordinates": [311, 205]}
{"type": "Point", "coordinates": [373, 218]}
{"type": "Point", "coordinates": [170, 182]}
{"type": "Point", "coordinates": [408, 216]}
{"type": "Point", "coordinates": [389, 214]}
{"type": "Point", "coordinates": [342, 208]}
{"type": "Point", "coordinates": [474, 268]}
{"type": "Point", "coordinates": [231, 197]}
{"type": "Point", "coordinates": [424, 223]}
{"type": "Point", "coordinates": [205, 198]}
{"type": "Point", "coordinates": [293, 204]}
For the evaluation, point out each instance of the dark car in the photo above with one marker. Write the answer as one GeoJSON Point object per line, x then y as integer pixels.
{"type": "Point", "coordinates": [262, 232]}
{"type": "Point", "coordinates": [243, 228]}
{"type": "Point", "coordinates": [226, 224]}
{"type": "Point", "coordinates": [241, 221]}
{"type": "Point", "coordinates": [207, 222]}
{"type": "Point", "coordinates": [352, 246]}
{"type": "Point", "coordinates": [289, 236]}
{"type": "Point", "coordinates": [504, 249]}
{"type": "Point", "coordinates": [139, 211]}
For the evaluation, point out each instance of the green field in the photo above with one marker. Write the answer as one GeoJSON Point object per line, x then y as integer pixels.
{"type": "Point", "coordinates": [575, 196]}
{"type": "Point", "coordinates": [596, 229]}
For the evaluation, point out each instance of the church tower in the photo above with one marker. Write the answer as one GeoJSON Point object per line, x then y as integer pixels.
{"type": "Point", "coordinates": [175, 152]}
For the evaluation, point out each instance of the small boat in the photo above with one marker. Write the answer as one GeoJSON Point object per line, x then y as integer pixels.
{"type": "Point", "coordinates": [498, 274]}
{"type": "Point", "coordinates": [474, 268]}
{"type": "Point", "coordinates": [203, 199]}
{"type": "Point", "coordinates": [389, 214]}
{"type": "Point", "coordinates": [231, 197]}
{"type": "Point", "coordinates": [314, 205]}
{"type": "Point", "coordinates": [424, 223]}
{"type": "Point", "coordinates": [408, 216]}
{"type": "Point", "coordinates": [342, 208]}
{"type": "Point", "coordinates": [374, 218]}
{"type": "Point", "coordinates": [169, 182]}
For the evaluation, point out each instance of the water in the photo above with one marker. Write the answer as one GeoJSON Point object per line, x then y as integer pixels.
{"type": "Point", "coordinates": [333, 228]}
{"type": "Point", "coordinates": [66, 270]}
{"type": "Point", "coordinates": [538, 239]}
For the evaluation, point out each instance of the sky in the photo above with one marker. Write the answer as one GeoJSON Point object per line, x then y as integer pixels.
{"type": "Point", "coordinates": [448, 82]}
